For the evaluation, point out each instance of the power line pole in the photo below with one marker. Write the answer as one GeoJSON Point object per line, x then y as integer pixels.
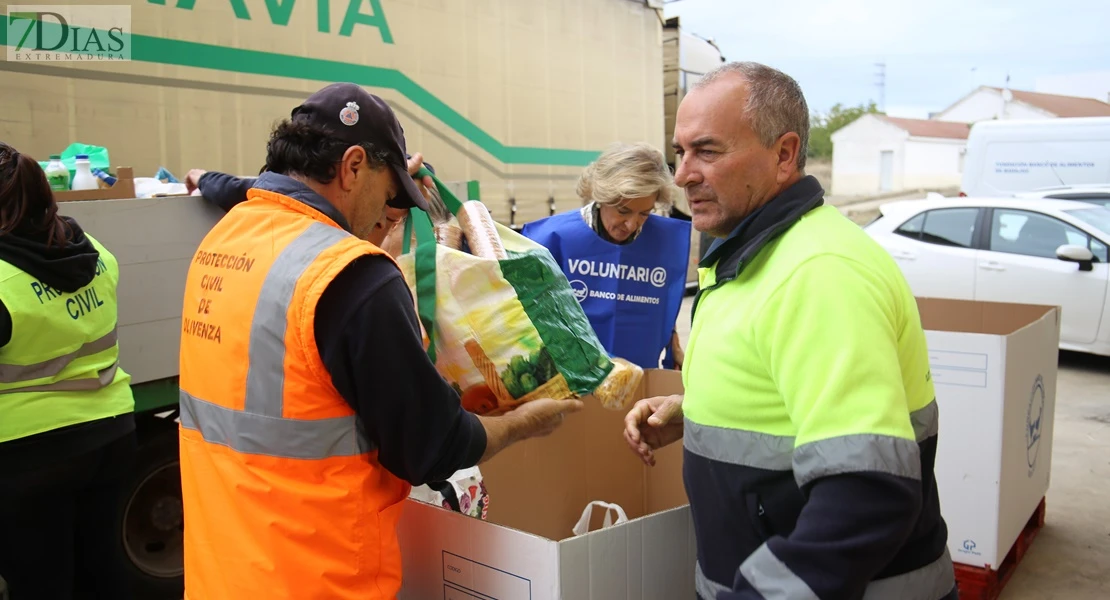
{"type": "Point", "coordinates": [880, 81]}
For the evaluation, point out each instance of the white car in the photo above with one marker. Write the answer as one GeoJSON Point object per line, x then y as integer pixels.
{"type": "Point", "coordinates": [1030, 251]}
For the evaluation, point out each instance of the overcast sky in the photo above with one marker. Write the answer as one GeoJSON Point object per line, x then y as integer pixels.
{"type": "Point", "coordinates": [935, 52]}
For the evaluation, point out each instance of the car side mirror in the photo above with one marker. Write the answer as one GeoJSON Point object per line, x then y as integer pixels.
{"type": "Point", "coordinates": [1076, 254]}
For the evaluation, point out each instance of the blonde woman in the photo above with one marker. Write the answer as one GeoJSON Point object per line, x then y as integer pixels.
{"type": "Point", "coordinates": [627, 265]}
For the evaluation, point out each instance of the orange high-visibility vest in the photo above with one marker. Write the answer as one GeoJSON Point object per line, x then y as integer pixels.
{"type": "Point", "coordinates": [283, 497]}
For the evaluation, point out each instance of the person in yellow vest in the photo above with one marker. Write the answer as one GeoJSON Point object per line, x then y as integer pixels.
{"type": "Point", "coordinates": [809, 421]}
{"type": "Point", "coordinates": [308, 404]}
{"type": "Point", "coordinates": [67, 429]}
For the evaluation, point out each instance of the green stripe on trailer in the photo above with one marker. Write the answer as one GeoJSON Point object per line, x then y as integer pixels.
{"type": "Point", "coordinates": [151, 49]}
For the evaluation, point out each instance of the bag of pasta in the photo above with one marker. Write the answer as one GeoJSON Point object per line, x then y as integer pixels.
{"type": "Point", "coordinates": [500, 319]}
{"type": "Point", "coordinates": [621, 386]}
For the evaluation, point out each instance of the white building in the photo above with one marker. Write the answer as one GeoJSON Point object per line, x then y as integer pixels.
{"type": "Point", "coordinates": [987, 103]}
{"type": "Point", "coordinates": [877, 153]}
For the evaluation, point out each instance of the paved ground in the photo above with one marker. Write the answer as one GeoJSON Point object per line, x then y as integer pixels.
{"type": "Point", "coordinates": [1070, 559]}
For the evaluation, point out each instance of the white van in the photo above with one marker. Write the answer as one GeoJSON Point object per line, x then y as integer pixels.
{"type": "Point", "coordinates": [1005, 158]}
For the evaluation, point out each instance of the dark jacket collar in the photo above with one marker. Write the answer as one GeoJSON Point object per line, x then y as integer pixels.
{"type": "Point", "coordinates": [762, 226]}
{"type": "Point", "coordinates": [67, 267]}
{"type": "Point", "coordinates": [289, 187]}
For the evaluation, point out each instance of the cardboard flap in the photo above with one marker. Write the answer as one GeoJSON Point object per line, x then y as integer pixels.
{"type": "Point", "coordinates": [966, 316]}
{"type": "Point", "coordinates": [542, 485]}
{"type": "Point", "coordinates": [623, 562]}
{"type": "Point", "coordinates": [664, 489]}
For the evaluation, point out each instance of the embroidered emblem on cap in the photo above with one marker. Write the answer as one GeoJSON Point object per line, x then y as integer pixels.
{"type": "Point", "coordinates": [349, 115]}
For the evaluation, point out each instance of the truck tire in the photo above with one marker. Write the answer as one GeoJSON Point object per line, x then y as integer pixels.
{"type": "Point", "coordinates": [152, 533]}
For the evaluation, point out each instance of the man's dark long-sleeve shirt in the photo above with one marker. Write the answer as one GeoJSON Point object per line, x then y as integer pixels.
{"type": "Point", "coordinates": [369, 339]}
{"type": "Point", "coordinates": [224, 190]}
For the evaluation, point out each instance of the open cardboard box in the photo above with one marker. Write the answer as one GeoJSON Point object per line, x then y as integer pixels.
{"type": "Point", "coordinates": [994, 366]}
{"type": "Point", "coordinates": [124, 188]}
{"type": "Point", "coordinates": [538, 490]}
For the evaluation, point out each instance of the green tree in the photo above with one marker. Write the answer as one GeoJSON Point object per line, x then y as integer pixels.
{"type": "Point", "coordinates": [822, 126]}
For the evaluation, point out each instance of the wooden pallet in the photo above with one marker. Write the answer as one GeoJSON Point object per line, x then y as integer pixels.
{"type": "Point", "coordinates": [980, 583]}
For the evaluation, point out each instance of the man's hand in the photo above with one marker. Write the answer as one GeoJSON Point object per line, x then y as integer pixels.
{"type": "Point", "coordinates": [651, 424]}
{"type": "Point", "coordinates": [536, 418]}
{"type": "Point", "coordinates": [414, 164]}
{"type": "Point", "coordinates": [192, 180]}
{"type": "Point", "coordinates": [543, 416]}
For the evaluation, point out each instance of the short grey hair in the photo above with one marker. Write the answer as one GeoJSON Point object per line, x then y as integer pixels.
{"type": "Point", "coordinates": [776, 104]}
{"type": "Point", "coordinates": [626, 171]}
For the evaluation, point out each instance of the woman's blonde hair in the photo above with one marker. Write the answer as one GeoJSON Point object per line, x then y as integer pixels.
{"type": "Point", "coordinates": [627, 171]}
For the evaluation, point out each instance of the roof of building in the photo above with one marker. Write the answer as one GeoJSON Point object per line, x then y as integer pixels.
{"type": "Point", "coordinates": [1061, 106]}
{"type": "Point", "coordinates": [928, 128]}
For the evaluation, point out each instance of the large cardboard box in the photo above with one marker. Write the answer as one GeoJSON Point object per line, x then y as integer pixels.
{"type": "Point", "coordinates": [994, 366]}
{"type": "Point", "coordinates": [538, 490]}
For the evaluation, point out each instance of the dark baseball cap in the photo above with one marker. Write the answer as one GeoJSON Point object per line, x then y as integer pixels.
{"type": "Point", "coordinates": [354, 115]}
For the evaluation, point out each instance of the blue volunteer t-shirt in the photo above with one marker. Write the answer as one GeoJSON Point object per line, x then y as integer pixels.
{"type": "Point", "coordinates": [631, 293]}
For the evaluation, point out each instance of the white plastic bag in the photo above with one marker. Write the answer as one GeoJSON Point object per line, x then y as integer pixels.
{"type": "Point", "coordinates": [146, 187]}
{"type": "Point", "coordinates": [583, 525]}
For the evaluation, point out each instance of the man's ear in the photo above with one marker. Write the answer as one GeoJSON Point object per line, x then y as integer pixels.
{"type": "Point", "coordinates": [787, 148]}
{"type": "Point", "coordinates": [354, 159]}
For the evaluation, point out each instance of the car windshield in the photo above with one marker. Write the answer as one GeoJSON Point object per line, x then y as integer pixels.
{"type": "Point", "coordinates": [1097, 217]}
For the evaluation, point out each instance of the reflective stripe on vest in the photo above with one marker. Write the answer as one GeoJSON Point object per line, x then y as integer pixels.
{"type": "Point", "coordinates": [104, 378]}
{"type": "Point", "coordinates": [48, 368]}
{"type": "Point", "coordinates": [260, 428]}
{"type": "Point", "coordinates": [843, 454]}
{"type": "Point", "coordinates": [931, 582]}
{"type": "Point", "coordinates": [252, 433]}
{"type": "Point", "coordinates": [61, 365]}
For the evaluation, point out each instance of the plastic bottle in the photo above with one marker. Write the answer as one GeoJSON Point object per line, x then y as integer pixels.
{"type": "Point", "coordinates": [83, 179]}
{"type": "Point", "coordinates": [57, 174]}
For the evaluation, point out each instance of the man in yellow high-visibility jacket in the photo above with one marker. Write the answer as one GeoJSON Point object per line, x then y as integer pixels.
{"type": "Point", "coordinates": [808, 421]}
